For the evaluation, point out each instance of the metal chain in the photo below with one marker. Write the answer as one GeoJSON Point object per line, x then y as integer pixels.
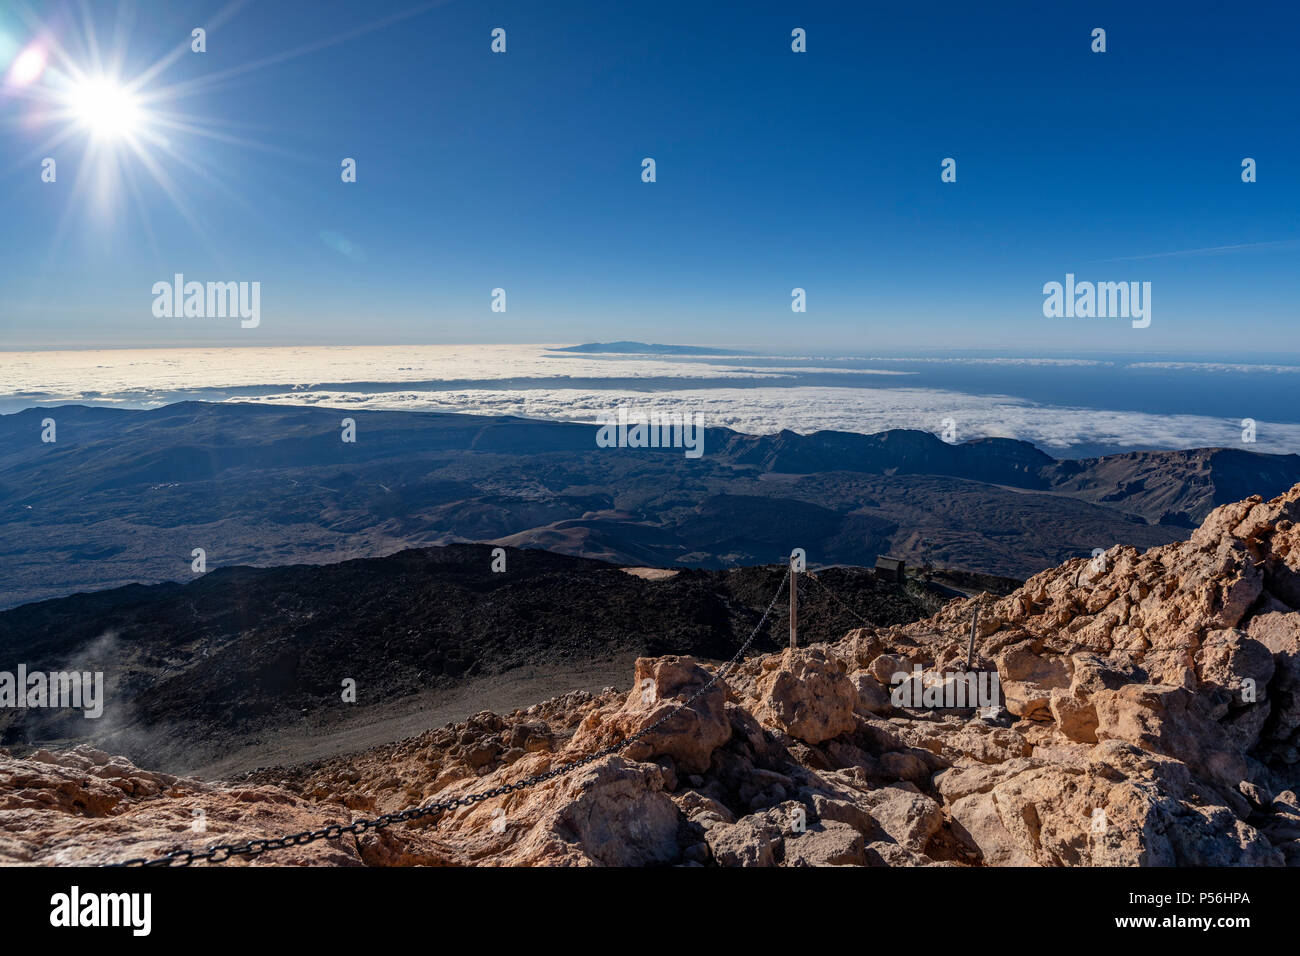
{"type": "Point", "coordinates": [251, 848]}
{"type": "Point", "coordinates": [826, 587]}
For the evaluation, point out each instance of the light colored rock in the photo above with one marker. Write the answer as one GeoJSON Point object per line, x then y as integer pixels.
{"type": "Point", "coordinates": [908, 816]}
{"type": "Point", "coordinates": [1075, 717]}
{"type": "Point", "coordinates": [873, 697]}
{"type": "Point", "coordinates": [825, 844]}
{"type": "Point", "coordinates": [806, 694]}
{"type": "Point", "coordinates": [886, 666]}
{"type": "Point", "coordinates": [1028, 678]}
{"type": "Point", "coordinates": [976, 822]}
{"type": "Point", "coordinates": [750, 841]}
{"type": "Point", "coordinates": [660, 685]}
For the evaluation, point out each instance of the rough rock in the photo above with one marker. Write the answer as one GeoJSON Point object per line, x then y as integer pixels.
{"type": "Point", "coordinates": [806, 693]}
{"type": "Point", "coordinates": [689, 737]}
{"type": "Point", "coordinates": [1152, 717]}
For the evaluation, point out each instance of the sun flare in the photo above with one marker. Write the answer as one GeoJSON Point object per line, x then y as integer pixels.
{"type": "Point", "coordinates": [125, 125]}
{"type": "Point", "coordinates": [106, 108]}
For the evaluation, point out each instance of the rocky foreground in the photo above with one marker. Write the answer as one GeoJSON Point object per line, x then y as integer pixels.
{"type": "Point", "coordinates": [1149, 715]}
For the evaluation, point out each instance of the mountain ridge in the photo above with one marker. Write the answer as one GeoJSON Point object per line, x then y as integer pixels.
{"type": "Point", "coordinates": [127, 495]}
{"type": "Point", "coordinates": [643, 348]}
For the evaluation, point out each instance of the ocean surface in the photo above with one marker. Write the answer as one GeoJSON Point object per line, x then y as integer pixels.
{"type": "Point", "coordinates": [1068, 406]}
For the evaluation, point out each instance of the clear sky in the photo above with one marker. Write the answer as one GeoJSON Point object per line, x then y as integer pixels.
{"type": "Point", "coordinates": [775, 169]}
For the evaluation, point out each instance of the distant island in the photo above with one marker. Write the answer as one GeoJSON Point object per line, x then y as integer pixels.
{"type": "Point", "coordinates": [641, 348]}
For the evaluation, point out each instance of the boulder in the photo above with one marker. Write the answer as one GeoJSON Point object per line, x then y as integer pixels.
{"type": "Point", "coordinates": [909, 817]}
{"type": "Point", "coordinates": [660, 685]}
{"type": "Point", "coordinates": [806, 694]}
{"type": "Point", "coordinates": [1028, 678]}
{"type": "Point", "coordinates": [873, 696]}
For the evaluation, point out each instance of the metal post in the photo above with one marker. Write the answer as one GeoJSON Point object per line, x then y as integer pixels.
{"type": "Point", "coordinates": [794, 603]}
{"type": "Point", "coordinates": [970, 651]}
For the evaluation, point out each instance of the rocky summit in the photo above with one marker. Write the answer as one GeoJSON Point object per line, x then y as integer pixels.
{"type": "Point", "coordinates": [1146, 713]}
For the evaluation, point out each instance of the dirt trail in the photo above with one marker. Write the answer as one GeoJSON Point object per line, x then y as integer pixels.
{"type": "Point", "coordinates": [315, 739]}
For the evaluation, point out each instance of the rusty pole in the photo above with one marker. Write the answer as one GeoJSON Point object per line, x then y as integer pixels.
{"type": "Point", "coordinates": [794, 603]}
{"type": "Point", "coordinates": [970, 651]}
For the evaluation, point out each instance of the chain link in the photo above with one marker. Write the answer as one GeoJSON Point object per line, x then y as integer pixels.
{"type": "Point", "coordinates": [252, 848]}
{"type": "Point", "coordinates": [826, 587]}
{"type": "Point", "coordinates": [836, 598]}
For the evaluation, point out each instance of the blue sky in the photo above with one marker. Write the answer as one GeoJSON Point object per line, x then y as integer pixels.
{"type": "Point", "coordinates": [775, 170]}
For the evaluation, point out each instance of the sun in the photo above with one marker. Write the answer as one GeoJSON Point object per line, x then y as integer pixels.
{"type": "Point", "coordinates": [129, 133]}
{"type": "Point", "coordinates": [106, 108]}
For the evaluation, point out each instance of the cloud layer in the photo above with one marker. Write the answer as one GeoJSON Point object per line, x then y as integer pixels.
{"type": "Point", "coordinates": [528, 375]}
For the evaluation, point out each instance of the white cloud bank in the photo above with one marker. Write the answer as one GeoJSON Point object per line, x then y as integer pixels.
{"type": "Point", "coordinates": [151, 377]}
{"type": "Point", "coordinates": [864, 410]}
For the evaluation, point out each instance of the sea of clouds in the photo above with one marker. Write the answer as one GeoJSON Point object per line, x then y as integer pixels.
{"type": "Point", "coordinates": [534, 382]}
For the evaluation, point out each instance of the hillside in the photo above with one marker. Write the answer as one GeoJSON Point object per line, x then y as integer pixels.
{"type": "Point", "coordinates": [126, 497]}
{"type": "Point", "coordinates": [242, 655]}
{"type": "Point", "coordinates": [1148, 715]}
